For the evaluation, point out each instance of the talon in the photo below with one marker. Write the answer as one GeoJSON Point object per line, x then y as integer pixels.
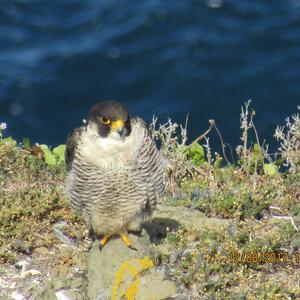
{"type": "Point", "coordinates": [103, 241]}
{"type": "Point", "coordinates": [127, 241]}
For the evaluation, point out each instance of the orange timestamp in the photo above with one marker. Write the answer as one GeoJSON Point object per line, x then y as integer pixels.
{"type": "Point", "coordinates": [256, 257]}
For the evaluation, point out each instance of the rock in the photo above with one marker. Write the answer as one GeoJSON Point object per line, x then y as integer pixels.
{"type": "Point", "coordinates": [118, 270]}
{"type": "Point", "coordinates": [79, 260]}
{"type": "Point", "coordinates": [155, 286]}
{"type": "Point", "coordinates": [295, 244]}
{"type": "Point", "coordinates": [68, 295]}
{"type": "Point", "coordinates": [113, 270]}
{"type": "Point", "coordinates": [76, 283]}
{"type": "Point", "coordinates": [187, 217]}
{"type": "Point", "coordinates": [17, 296]}
{"type": "Point", "coordinates": [23, 246]}
{"type": "Point", "coordinates": [29, 287]}
{"type": "Point", "coordinates": [41, 250]}
{"type": "Point", "coordinates": [174, 257]}
{"type": "Point", "coordinates": [232, 229]}
{"type": "Point", "coordinates": [179, 297]}
{"type": "Point", "coordinates": [66, 251]}
{"type": "Point", "coordinates": [46, 294]}
{"type": "Point", "coordinates": [59, 278]}
{"type": "Point", "coordinates": [40, 243]}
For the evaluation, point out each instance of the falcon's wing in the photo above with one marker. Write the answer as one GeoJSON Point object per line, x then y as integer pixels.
{"type": "Point", "coordinates": [71, 146]}
{"type": "Point", "coordinates": [150, 166]}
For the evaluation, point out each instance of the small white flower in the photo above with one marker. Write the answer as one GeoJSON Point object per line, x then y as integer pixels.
{"type": "Point", "coordinates": [3, 126]}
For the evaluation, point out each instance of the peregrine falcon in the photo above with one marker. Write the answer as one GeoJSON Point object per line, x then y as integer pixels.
{"type": "Point", "coordinates": [114, 171]}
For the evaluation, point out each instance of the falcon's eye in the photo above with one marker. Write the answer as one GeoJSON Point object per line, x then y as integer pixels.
{"type": "Point", "coordinates": [105, 120]}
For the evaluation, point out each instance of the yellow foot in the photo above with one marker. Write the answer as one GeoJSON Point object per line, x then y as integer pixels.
{"type": "Point", "coordinates": [127, 241]}
{"type": "Point", "coordinates": [103, 241]}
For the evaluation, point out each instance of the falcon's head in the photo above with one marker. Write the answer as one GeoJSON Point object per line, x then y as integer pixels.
{"type": "Point", "coordinates": [110, 119]}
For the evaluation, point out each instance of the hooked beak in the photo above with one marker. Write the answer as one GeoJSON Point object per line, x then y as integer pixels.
{"type": "Point", "coordinates": [119, 126]}
{"type": "Point", "coordinates": [121, 131]}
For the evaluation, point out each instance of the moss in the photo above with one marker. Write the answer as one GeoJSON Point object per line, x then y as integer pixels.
{"type": "Point", "coordinates": [31, 200]}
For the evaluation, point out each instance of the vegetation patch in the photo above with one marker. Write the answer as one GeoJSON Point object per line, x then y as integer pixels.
{"type": "Point", "coordinates": [256, 192]}
{"type": "Point", "coordinates": [31, 199]}
{"type": "Point", "coordinates": [226, 262]}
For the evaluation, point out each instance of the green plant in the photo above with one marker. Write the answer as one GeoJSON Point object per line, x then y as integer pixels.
{"type": "Point", "coordinates": [257, 160]}
{"type": "Point", "coordinates": [54, 157]}
{"type": "Point", "coordinates": [195, 153]}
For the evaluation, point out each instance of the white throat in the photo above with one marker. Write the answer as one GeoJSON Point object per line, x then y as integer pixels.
{"type": "Point", "coordinates": [113, 151]}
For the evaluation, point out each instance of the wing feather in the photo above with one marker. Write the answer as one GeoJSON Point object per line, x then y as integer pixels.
{"type": "Point", "coordinates": [71, 145]}
{"type": "Point", "coordinates": [150, 167]}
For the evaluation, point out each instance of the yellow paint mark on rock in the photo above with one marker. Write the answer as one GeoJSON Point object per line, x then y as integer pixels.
{"type": "Point", "coordinates": [132, 268]}
{"type": "Point", "coordinates": [132, 290]}
{"type": "Point", "coordinates": [146, 262]}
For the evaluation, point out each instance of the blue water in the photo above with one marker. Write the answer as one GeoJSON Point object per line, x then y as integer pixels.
{"type": "Point", "coordinates": [168, 58]}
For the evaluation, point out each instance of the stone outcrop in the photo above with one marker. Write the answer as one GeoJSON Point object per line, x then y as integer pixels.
{"type": "Point", "coordinates": [118, 272]}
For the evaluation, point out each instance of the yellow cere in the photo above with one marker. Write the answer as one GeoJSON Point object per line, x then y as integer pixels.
{"type": "Point", "coordinates": [117, 124]}
{"type": "Point", "coordinates": [131, 268]}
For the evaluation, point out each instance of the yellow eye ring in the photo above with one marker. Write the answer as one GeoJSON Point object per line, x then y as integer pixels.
{"type": "Point", "coordinates": [105, 120]}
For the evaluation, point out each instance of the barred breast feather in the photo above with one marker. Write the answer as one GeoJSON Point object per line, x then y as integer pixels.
{"type": "Point", "coordinates": [113, 183]}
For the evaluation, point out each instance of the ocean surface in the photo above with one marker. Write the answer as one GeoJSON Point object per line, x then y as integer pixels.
{"type": "Point", "coordinates": [163, 58]}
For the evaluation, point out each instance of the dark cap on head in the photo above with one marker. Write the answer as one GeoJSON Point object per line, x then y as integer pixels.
{"type": "Point", "coordinates": [110, 115]}
{"type": "Point", "coordinates": [110, 109]}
